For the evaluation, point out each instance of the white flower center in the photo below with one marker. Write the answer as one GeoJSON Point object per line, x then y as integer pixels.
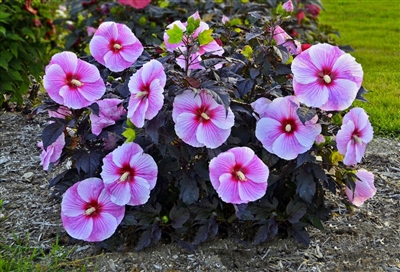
{"type": "Point", "coordinates": [357, 139]}
{"type": "Point", "coordinates": [288, 128]}
{"type": "Point", "coordinates": [90, 211]}
{"type": "Point", "coordinates": [240, 176]}
{"type": "Point", "coordinates": [205, 116]}
{"type": "Point", "coordinates": [124, 176]}
{"type": "Point", "coordinates": [117, 46]}
{"type": "Point", "coordinates": [327, 79]}
{"type": "Point", "coordinates": [76, 83]}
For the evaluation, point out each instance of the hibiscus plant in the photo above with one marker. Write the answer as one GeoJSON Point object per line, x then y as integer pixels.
{"type": "Point", "coordinates": [231, 122]}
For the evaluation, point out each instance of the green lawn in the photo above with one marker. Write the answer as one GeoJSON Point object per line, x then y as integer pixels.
{"type": "Point", "coordinates": [372, 28]}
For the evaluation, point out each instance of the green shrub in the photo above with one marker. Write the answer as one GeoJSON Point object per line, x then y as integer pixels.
{"type": "Point", "coordinates": [27, 37]}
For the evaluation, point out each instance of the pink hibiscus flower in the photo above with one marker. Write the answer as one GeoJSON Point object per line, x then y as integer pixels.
{"type": "Point", "coordinates": [284, 39]}
{"type": "Point", "coordinates": [288, 6]}
{"type": "Point", "coordinates": [109, 112]}
{"type": "Point", "coordinates": [72, 82]}
{"type": "Point", "coordinates": [194, 59]}
{"type": "Point", "coordinates": [137, 4]}
{"type": "Point", "coordinates": [239, 176]}
{"type": "Point", "coordinates": [146, 87]}
{"type": "Point", "coordinates": [326, 77]}
{"type": "Point", "coordinates": [365, 188]}
{"type": "Point", "coordinates": [115, 46]}
{"type": "Point", "coordinates": [87, 212]}
{"type": "Point", "coordinates": [200, 120]}
{"type": "Point", "coordinates": [354, 134]}
{"type": "Point", "coordinates": [53, 152]}
{"type": "Point", "coordinates": [129, 175]}
{"type": "Point", "coordinates": [62, 112]}
{"type": "Point", "coordinates": [282, 133]}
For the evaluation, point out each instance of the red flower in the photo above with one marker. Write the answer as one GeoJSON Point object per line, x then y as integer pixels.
{"type": "Point", "coordinates": [29, 8]}
{"type": "Point", "coordinates": [300, 16]}
{"type": "Point", "coordinates": [313, 10]}
{"type": "Point", "coordinates": [137, 4]}
{"type": "Point", "coordinates": [305, 46]}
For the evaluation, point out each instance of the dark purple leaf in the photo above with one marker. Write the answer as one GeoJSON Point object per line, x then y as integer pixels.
{"type": "Point", "coordinates": [52, 132]}
{"type": "Point", "coordinates": [360, 94]}
{"type": "Point", "coordinates": [295, 211]}
{"type": "Point", "coordinates": [245, 86]}
{"type": "Point", "coordinates": [189, 191]}
{"type": "Point", "coordinates": [299, 233]}
{"type": "Point", "coordinates": [87, 162]}
{"type": "Point", "coordinates": [266, 231]}
{"type": "Point", "coordinates": [305, 185]}
{"type": "Point", "coordinates": [305, 114]}
{"type": "Point", "coordinates": [178, 217]}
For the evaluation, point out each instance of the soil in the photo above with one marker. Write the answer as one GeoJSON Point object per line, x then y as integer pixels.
{"type": "Point", "coordinates": [367, 239]}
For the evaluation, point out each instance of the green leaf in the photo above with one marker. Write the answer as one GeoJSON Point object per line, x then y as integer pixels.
{"type": "Point", "coordinates": [247, 51]}
{"type": "Point", "coordinates": [164, 4]}
{"type": "Point", "coordinates": [15, 37]}
{"type": "Point", "coordinates": [129, 134]}
{"type": "Point", "coordinates": [3, 30]}
{"type": "Point", "coordinates": [205, 37]}
{"type": "Point", "coordinates": [4, 15]}
{"type": "Point", "coordinates": [235, 22]}
{"type": "Point", "coordinates": [192, 25]}
{"type": "Point", "coordinates": [14, 49]}
{"type": "Point", "coordinates": [129, 123]}
{"type": "Point", "coordinates": [28, 32]}
{"type": "Point", "coordinates": [175, 34]}
{"type": "Point", "coordinates": [14, 74]}
{"type": "Point", "coordinates": [5, 59]}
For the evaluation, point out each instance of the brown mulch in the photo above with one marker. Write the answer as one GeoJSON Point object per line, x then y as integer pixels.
{"type": "Point", "coordinates": [366, 240]}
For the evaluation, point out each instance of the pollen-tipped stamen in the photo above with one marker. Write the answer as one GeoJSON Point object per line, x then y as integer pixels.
{"type": "Point", "coordinates": [357, 139]}
{"type": "Point", "coordinates": [205, 116]}
{"type": "Point", "coordinates": [327, 79]}
{"type": "Point", "coordinates": [90, 211]}
{"type": "Point", "coordinates": [240, 176]}
{"type": "Point", "coordinates": [76, 83]}
{"type": "Point", "coordinates": [141, 94]}
{"type": "Point", "coordinates": [124, 177]}
{"type": "Point", "coordinates": [117, 46]}
{"type": "Point", "coordinates": [288, 128]}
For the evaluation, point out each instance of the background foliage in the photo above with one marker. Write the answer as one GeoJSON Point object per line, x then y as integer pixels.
{"type": "Point", "coordinates": [27, 39]}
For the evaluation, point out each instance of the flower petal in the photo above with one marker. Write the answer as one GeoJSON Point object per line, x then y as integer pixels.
{"type": "Point", "coordinates": [186, 127]}
{"type": "Point", "coordinates": [342, 93]}
{"type": "Point", "coordinates": [99, 46]}
{"type": "Point", "coordinates": [73, 98]}
{"type": "Point", "coordinates": [153, 70]}
{"type": "Point", "coordinates": [78, 227]}
{"type": "Point", "coordinates": [267, 131]}
{"type": "Point", "coordinates": [139, 191]}
{"type": "Point", "coordinates": [312, 94]}
{"type": "Point", "coordinates": [228, 190]}
{"type": "Point", "coordinates": [286, 147]}
{"type": "Point", "coordinates": [104, 225]}
{"type": "Point", "coordinates": [90, 189]}
{"type": "Point", "coordinates": [53, 81]}
{"type": "Point", "coordinates": [222, 164]}
{"type": "Point", "coordinates": [324, 55]}
{"type": "Point", "coordinates": [210, 135]}
{"type": "Point", "coordinates": [72, 204]}
{"type": "Point", "coordinates": [145, 168]}
{"type": "Point", "coordinates": [187, 101]}
{"type": "Point", "coordinates": [221, 118]}
{"type": "Point", "coordinates": [251, 191]}
{"type": "Point", "coordinates": [119, 192]}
